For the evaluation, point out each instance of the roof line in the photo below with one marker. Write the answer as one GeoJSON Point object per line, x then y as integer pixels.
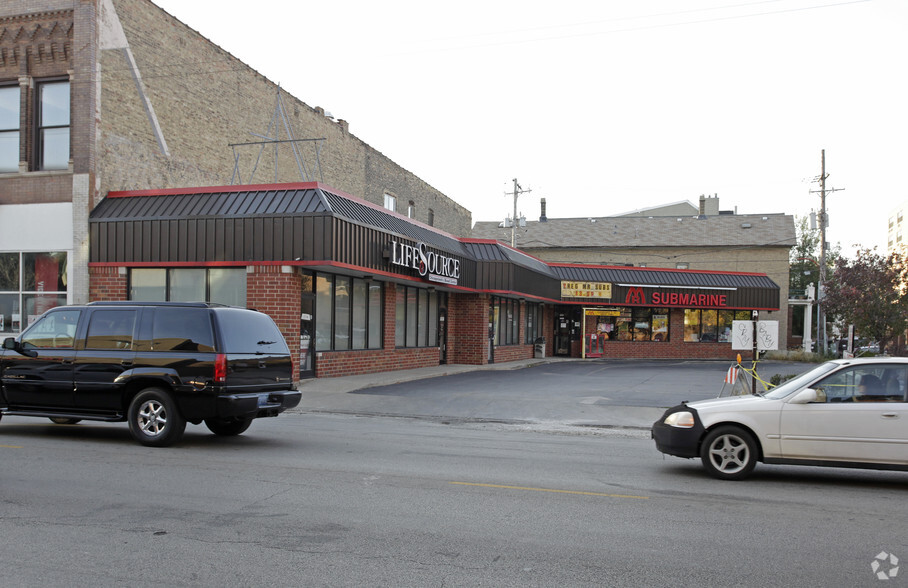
{"type": "Point", "coordinates": [652, 269]}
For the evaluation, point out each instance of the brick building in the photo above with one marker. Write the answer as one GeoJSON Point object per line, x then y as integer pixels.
{"type": "Point", "coordinates": [105, 95]}
{"type": "Point", "coordinates": [115, 122]}
{"type": "Point", "coordinates": [679, 237]}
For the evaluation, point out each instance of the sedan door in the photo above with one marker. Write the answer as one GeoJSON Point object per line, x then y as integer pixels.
{"type": "Point", "coordinates": [849, 424]}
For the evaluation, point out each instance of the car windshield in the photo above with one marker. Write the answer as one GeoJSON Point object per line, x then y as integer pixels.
{"type": "Point", "coordinates": [783, 390]}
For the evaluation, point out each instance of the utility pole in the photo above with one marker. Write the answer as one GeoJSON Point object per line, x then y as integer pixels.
{"type": "Point", "coordinates": [517, 192]}
{"type": "Point", "coordinates": [821, 290]}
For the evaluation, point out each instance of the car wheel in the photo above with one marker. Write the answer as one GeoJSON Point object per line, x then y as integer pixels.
{"type": "Point", "coordinates": [729, 453]}
{"type": "Point", "coordinates": [64, 420]}
{"type": "Point", "coordinates": [154, 419]}
{"type": "Point", "coordinates": [227, 428]}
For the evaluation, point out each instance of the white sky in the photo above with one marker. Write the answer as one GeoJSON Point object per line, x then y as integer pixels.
{"type": "Point", "coordinates": [604, 106]}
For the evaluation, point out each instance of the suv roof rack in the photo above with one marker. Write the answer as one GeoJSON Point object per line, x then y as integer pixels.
{"type": "Point", "coordinates": [138, 303]}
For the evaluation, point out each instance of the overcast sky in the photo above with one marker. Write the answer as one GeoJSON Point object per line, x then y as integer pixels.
{"type": "Point", "coordinates": [604, 106]}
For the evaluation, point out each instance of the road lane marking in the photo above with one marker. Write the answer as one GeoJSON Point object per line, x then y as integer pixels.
{"type": "Point", "coordinates": [11, 446]}
{"type": "Point", "coordinates": [550, 490]}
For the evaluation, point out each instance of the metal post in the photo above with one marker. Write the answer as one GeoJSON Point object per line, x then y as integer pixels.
{"type": "Point", "coordinates": [821, 294]}
{"type": "Point", "coordinates": [753, 379]}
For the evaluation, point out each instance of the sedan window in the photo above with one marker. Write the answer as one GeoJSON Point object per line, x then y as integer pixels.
{"type": "Point", "coordinates": [865, 383]}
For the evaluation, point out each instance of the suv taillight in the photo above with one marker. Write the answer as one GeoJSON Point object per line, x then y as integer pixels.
{"type": "Point", "coordinates": [220, 368]}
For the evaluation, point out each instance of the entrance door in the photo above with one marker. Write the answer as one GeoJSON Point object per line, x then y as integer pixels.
{"type": "Point", "coordinates": [442, 336]}
{"type": "Point", "coordinates": [307, 332]}
{"type": "Point", "coordinates": [562, 334]}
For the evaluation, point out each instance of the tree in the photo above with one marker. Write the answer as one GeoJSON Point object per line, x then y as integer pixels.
{"type": "Point", "coordinates": [804, 258]}
{"type": "Point", "coordinates": [869, 292]}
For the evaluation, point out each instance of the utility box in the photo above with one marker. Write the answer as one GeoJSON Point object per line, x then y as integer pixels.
{"type": "Point", "coordinates": [539, 348]}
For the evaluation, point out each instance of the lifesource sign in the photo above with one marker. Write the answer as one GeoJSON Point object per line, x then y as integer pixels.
{"type": "Point", "coordinates": [434, 266]}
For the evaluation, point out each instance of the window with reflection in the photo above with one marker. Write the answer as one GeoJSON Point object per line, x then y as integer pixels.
{"type": "Point", "coordinates": [31, 283]}
{"type": "Point", "coordinates": [9, 128]}
{"type": "Point", "coordinates": [348, 313]}
{"type": "Point", "coordinates": [218, 285]}
{"type": "Point", "coordinates": [416, 320]}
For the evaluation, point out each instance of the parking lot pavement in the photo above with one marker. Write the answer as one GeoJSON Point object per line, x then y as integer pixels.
{"type": "Point", "coordinates": [616, 394]}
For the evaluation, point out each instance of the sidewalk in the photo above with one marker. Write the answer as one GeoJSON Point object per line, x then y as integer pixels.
{"type": "Point", "coordinates": [341, 395]}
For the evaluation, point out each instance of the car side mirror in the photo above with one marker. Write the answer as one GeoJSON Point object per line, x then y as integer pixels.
{"type": "Point", "coordinates": [808, 396]}
{"type": "Point", "coordinates": [13, 345]}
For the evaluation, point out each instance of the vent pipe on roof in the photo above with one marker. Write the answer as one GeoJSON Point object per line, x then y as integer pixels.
{"type": "Point", "coordinates": [542, 217]}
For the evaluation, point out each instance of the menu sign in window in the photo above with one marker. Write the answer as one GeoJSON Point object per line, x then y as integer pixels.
{"type": "Point", "coordinates": [588, 290]}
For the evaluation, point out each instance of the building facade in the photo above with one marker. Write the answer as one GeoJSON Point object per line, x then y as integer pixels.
{"type": "Point", "coordinates": [115, 122]}
{"type": "Point", "coordinates": [106, 95]}
{"type": "Point", "coordinates": [703, 240]}
{"type": "Point", "coordinates": [356, 288]}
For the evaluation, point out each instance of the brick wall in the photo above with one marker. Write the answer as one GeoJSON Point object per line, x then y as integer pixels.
{"type": "Point", "coordinates": [209, 99]}
{"type": "Point", "coordinates": [276, 291]}
{"type": "Point", "coordinates": [367, 361]}
{"type": "Point", "coordinates": [107, 284]}
{"type": "Point", "coordinates": [468, 329]}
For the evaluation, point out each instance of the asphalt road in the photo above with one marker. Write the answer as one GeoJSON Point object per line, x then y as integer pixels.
{"type": "Point", "coordinates": [611, 393]}
{"type": "Point", "coordinates": [345, 500]}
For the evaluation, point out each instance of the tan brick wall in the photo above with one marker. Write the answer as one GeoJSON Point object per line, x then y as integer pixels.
{"type": "Point", "coordinates": [204, 100]}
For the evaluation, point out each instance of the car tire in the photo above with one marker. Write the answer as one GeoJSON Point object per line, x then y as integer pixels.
{"type": "Point", "coordinates": [227, 428]}
{"type": "Point", "coordinates": [154, 419]}
{"type": "Point", "coordinates": [64, 420]}
{"type": "Point", "coordinates": [729, 453]}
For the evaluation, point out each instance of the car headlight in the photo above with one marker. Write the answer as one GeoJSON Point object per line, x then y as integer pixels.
{"type": "Point", "coordinates": [682, 419]}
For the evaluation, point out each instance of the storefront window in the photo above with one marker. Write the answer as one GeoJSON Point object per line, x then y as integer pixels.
{"type": "Point", "coordinates": [187, 284]}
{"type": "Point", "coordinates": [324, 303]}
{"type": "Point", "coordinates": [660, 324]}
{"type": "Point", "coordinates": [374, 316]}
{"type": "Point", "coordinates": [417, 317]}
{"type": "Point", "coordinates": [227, 286]}
{"type": "Point", "coordinates": [342, 313]}
{"type": "Point", "coordinates": [191, 284]}
{"type": "Point", "coordinates": [506, 321]}
{"type": "Point", "coordinates": [347, 313]}
{"type": "Point", "coordinates": [711, 326]}
{"type": "Point", "coordinates": [691, 325]}
{"type": "Point", "coordinates": [629, 324]}
{"type": "Point", "coordinates": [31, 283]}
{"type": "Point", "coordinates": [533, 327]}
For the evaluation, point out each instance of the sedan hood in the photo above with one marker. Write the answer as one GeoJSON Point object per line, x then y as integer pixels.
{"type": "Point", "coordinates": [748, 402]}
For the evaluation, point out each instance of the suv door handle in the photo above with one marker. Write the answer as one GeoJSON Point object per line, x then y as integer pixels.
{"type": "Point", "coordinates": [890, 415]}
{"type": "Point", "coordinates": [126, 362]}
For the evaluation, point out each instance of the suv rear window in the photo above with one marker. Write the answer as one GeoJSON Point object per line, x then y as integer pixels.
{"type": "Point", "coordinates": [182, 329]}
{"type": "Point", "coordinates": [246, 331]}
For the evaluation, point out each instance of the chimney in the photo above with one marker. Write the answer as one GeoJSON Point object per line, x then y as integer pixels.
{"type": "Point", "coordinates": [542, 217]}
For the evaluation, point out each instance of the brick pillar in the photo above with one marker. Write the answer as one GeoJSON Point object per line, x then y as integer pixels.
{"type": "Point", "coordinates": [275, 290]}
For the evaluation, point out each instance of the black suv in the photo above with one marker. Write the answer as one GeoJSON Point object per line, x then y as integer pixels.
{"type": "Point", "coordinates": [154, 365]}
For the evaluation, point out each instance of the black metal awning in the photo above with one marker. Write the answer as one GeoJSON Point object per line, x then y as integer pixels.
{"type": "Point", "coordinates": [312, 225]}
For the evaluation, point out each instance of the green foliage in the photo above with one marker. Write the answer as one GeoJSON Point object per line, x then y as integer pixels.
{"type": "Point", "coordinates": [804, 258]}
{"type": "Point", "coordinates": [869, 292]}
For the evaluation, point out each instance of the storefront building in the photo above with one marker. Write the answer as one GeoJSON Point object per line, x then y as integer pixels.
{"type": "Point", "coordinates": [356, 288]}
